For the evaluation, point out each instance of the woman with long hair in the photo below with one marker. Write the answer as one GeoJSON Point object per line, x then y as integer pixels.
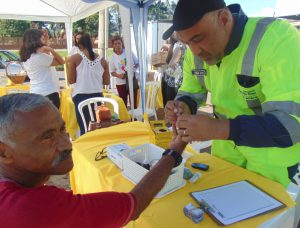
{"type": "Point", "coordinates": [75, 49]}
{"type": "Point", "coordinates": [39, 62]}
{"type": "Point", "coordinates": [117, 65]}
{"type": "Point", "coordinates": [90, 72]}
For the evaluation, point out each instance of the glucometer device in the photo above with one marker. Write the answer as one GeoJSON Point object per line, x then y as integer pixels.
{"type": "Point", "coordinates": [200, 166]}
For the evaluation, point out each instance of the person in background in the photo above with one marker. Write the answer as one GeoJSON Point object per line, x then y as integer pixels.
{"type": "Point", "coordinates": [117, 65]}
{"type": "Point", "coordinates": [251, 67]}
{"type": "Point", "coordinates": [75, 49]}
{"type": "Point", "coordinates": [34, 145]}
{"type": "Point", "coordinates": [46, 43]}
{"type": "Point", "coordinates": [165, 47]}
{"type": "Point", "coordinates": [46, 36]}
{"type": "Point", "coordinates": [89, 72]}
{"type": "Point", "coordinates": [34, 25]}
{"type": "Point", "coordinates": [162, 69]}
{"type": "Point", "coordinates": [172, 78]}
{"type": "Point", "coordinates": [39, 62]}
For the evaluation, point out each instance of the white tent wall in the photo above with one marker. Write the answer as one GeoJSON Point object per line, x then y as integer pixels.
{"type": "Point", "coordinates": [139, 16]}
{"type": "Point", "coordinates": [125, 17]}
{"type": "Point", "coordinates": [102, 35]}
{"type": "Point", "coordinates": [69, 34]}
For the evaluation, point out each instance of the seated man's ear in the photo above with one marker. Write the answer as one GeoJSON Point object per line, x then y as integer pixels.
{"type": "Point", "coordinates": [5, 154]}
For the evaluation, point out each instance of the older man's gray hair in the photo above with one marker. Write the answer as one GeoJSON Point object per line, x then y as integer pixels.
{"type": "Point", "coordinates": [12, 103]}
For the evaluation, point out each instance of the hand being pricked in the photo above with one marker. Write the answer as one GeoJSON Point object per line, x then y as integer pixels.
{"type": "Point", "coordinates": [201, 128]}
{"type": "Point", "coordinates": [173, 109]}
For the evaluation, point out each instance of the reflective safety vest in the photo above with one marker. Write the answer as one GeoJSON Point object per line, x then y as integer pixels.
{"type": "Point", "coordinates": [260, 76]}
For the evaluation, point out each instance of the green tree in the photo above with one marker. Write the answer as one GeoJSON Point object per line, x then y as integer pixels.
{"type": "Point", "coordinates": [13, 28]}
{"type": "Point", "coordinates": [161, 10]}
{"type": "Point", "coordinates": [78, 26]}
{"type": "Point", "coordinates": [115, 25]}
{"type": "Point", "coordinates": [89, 25]}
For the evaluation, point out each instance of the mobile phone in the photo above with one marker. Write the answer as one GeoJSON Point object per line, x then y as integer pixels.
{"type": "Point", "coordinates": [200, 166]}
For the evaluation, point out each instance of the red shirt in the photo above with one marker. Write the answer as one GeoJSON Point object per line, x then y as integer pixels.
{"type": "Point", "coordinates": [49, 206]}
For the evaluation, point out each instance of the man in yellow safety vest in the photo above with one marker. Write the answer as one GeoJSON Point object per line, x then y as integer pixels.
{"type": "Point", "coordinates": [251, 66]}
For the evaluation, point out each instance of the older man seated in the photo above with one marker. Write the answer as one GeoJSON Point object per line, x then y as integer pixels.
{"type": "Point", "coordinates": [34, 145]}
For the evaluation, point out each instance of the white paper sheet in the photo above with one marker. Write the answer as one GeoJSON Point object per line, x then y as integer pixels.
{"type": "Point", "coordinates": [237, 201]}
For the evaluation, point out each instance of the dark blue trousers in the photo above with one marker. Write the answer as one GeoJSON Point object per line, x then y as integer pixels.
{"type": "Point", "coordinates": [77, 99]}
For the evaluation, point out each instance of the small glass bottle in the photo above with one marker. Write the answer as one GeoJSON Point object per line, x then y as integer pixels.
{"type": "Point", "coordinates": [92, 126]}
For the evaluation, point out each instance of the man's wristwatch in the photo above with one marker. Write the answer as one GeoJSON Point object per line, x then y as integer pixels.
{"type": "Point", "coordinates": [177, 157]}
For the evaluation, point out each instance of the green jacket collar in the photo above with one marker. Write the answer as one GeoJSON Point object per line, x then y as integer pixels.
{"type": "Point", "coordinates": [240, 20]}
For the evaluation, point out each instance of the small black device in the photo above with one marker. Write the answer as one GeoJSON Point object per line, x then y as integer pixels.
{"type": "Point", "coordinates": [200, 166]}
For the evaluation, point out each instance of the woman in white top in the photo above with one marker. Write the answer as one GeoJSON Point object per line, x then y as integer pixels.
{"type": "Point", "coordinates": [39, 61]}
{"type": "Point", "coordinates": [90, 72]}
{"type": "Point", "coordinates": [117, 65]}
{"type": "Point", "coordinates": [75, 49]}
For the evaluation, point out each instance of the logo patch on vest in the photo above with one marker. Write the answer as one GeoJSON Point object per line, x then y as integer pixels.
{"type": "Point", "coordinates": [199, 72]}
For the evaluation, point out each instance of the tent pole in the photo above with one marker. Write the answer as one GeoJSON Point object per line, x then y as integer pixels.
{"type": "Point", "coordinates": [106, 21]}
{"type": "Point", "coordinates": [125, 17]}
{"type": "Point", "coordinates": [142, 60]}
{"type": "Point", "coordinates": [69, 33]}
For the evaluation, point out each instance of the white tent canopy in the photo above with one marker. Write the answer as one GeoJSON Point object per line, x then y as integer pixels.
{"type": "Point", "coordinates": [50, 10]}
{"type": "Point", "coordinates": [67, 12]}
{"type": "Point", "coordinates": [30, 10]}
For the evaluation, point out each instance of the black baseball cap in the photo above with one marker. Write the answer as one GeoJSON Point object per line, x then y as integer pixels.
{"type": "Point", "coordinates": [189, 12]}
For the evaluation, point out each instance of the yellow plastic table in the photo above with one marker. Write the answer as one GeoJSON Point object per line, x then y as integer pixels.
{"type": "Point", "coordinates": [18, 88]}
{"type": "Point", "coordinates": [90, 176]}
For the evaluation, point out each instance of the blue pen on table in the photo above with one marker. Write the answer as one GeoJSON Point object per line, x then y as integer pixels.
{"type": "Point", "coordinates": [209, 209]}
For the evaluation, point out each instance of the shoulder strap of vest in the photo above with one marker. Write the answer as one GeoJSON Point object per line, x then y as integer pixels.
{"type": "Point", "coordinates": [248, 61]}
{"type": "Point", "coordinates": [198, 62]}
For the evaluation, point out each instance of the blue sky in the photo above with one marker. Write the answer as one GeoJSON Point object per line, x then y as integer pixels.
{"type": "Point", "coordinates": [267, 7]}
{"type": "Point", "coordinates": [256, 7]}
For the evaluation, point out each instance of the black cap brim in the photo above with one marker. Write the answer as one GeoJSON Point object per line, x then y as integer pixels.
{"type": "Point", "coordinates": [168, 33]}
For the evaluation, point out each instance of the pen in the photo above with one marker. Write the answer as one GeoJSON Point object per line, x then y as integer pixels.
{"type": "Point", "coordinates": [209, 209]}
{"type": "Point", "coordinates": [204, 205]}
